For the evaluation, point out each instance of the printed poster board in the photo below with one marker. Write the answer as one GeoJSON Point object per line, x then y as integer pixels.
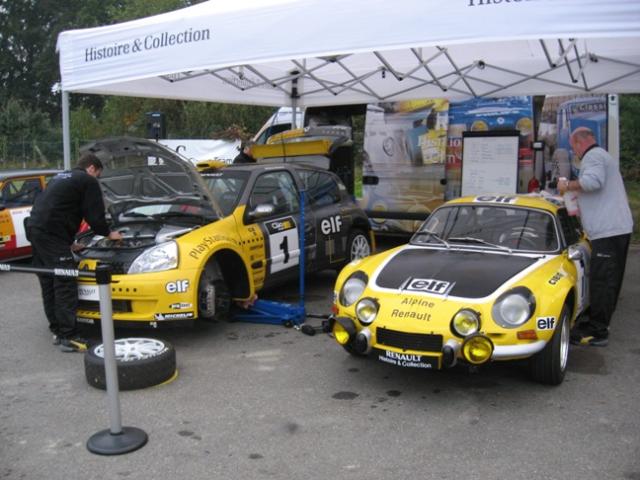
{"type": "Point", "coordinates": [490, 162]}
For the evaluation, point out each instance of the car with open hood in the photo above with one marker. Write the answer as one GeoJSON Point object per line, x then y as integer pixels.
{"type": "Point", "coordinates": [18, 191]}
{"type": "Point", "coordinates": [195, 242]}
{"type": "Point", "coordinates": [485, 278]}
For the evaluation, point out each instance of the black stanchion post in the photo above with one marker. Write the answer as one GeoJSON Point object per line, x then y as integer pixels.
{"type": "Point", "coordinates": [117, 439]}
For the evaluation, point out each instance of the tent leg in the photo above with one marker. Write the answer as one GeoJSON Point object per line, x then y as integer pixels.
{"type": "Point", "coordinates": [66, 136]}
{"type": "Point", "coordinates": [613, 126]}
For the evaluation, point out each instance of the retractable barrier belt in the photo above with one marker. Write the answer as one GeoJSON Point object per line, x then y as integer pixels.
{"type": "Point", "coordinates": [117, 439]}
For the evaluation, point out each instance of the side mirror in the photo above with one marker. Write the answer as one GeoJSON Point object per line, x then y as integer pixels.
{"type": "Point", "coordinates": [262, 210]}
{"type": "Point", "coordinates": [575, 253]}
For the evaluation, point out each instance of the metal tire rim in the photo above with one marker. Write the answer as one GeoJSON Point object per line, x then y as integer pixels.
{"type": "Point", "coordinates": [564, 343]}
{"type": "Point", "coordinates": [360, 247]}
{"type": "Point", "coordinates": [128, 349]}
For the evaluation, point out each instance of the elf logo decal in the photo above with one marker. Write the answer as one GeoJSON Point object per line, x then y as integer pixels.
{"type": "Point", "coordinates": [546, 323]}
{"type": "Point", "coordinates": [179, 286]}
{"type": "Point", "coordinates": [495, 199]}
{"type": "Point", "coordinates": [331, 225]}
{"type": "Point", "coordinates": [429, 285]}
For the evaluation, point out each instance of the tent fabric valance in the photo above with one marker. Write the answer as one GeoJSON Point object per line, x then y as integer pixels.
{"type": "Point", "coordinates": [331, 52]}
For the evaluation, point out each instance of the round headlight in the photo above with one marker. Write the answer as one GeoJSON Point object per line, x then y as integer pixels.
{"type": "Point", "coordinates": [353, 288]}
{"type": "Point", "coordinates": [514, 307]}
{"type": "Point", "coordinates": [367, 310]}
{"type": "Point", "coordinates": [340, 334]}
{"type": "Point", "coordinates": [465, 322]}
{"type": "Point", "coordinates": [477, 349]}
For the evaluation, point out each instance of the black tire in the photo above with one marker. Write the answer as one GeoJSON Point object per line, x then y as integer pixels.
{"type": "Point", "coordinates": [550, 365]}
{"type": "Point", "coordinates": [358, 245]}
{"type": "Point", "coordinates": [214, 297]}
{"type": "Point", "coordinates": [153, 365]}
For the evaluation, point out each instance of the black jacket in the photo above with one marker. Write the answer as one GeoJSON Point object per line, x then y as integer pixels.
{"type": "Point", "coordinates": [69, 197]}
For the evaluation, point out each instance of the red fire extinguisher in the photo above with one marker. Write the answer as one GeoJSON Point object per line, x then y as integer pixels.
{"type": "Point", "coordinates": [534, 185]}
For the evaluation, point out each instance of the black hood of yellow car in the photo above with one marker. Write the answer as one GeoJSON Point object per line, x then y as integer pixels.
{"type": "Point", "coordinates": [458, 273]}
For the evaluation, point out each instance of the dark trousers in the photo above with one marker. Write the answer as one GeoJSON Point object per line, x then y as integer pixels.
{"type": "Point", "coordinates": [59, 294]}
{"type": "Point", "coordinates": [608, 259]}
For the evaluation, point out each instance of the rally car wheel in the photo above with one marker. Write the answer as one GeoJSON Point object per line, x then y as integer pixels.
{"type": "Point", "coordinates": [141, 363]}
{"type": "Point", "coordinates": [214, 298]}
{"type": "Point", "coordinates": [550, 365]}
{"type": "Point", "coordinates": [358, 245]}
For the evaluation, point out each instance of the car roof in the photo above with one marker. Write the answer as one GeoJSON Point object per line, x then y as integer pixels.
{"type": "Point", "coordinates": [7, 174]}
{"type": "Point", "coordinates": [546, 202]}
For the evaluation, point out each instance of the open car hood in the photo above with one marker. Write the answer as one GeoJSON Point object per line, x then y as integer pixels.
{"type": "Point", "coordinates": [140, 171]}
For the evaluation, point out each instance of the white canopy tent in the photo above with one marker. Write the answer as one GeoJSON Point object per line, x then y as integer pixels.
{"type": "Point", "coordinates": [332, 52]}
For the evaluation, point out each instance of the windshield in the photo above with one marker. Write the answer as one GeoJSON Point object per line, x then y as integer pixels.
{"type": "Point", "coordinates": [226, 188]}
{"type": "Point", "coordinates": [179, 212]}
{"type": "Point", "coordinates": [498, 227]}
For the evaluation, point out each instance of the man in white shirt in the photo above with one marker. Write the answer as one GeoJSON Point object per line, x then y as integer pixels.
{"type": "Point", "coordinates": [606, 217]}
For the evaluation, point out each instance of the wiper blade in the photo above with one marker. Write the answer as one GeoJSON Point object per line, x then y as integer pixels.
{"type": "Point", "coordinates": [479, 240]}
{"type": "Point", "coordinates": [135, 214]}
{"type": "Point", "coordinates": [433, 235]}
{"type": "Point", "coordinates": [212, 215]}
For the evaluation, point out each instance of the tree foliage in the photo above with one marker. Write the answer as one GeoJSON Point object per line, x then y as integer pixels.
{"type": "Point", "coordinates": [28, 33]}
{"type": "Point", "coordinates": [630, 136]}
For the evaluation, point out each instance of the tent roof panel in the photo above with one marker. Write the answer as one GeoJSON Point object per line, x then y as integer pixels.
{"type": "Point", "coordinates": [361, 51]}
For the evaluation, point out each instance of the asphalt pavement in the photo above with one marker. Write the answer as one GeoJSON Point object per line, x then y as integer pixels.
{"type": "Point", "coordinates": [259, 401]}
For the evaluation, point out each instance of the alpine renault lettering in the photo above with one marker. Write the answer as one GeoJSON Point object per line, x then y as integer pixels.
{"type": "Point", "coordinates": [193, 243]}
{"type": "Point", "coordinates": [486, 278]}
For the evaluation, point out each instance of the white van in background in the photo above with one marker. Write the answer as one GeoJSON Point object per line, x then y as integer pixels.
{"type": "Point", "coordinates": [279, 122]}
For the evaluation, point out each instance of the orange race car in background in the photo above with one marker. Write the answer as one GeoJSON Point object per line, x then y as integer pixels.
{"type": "Point", "coordinates": [18, 191]}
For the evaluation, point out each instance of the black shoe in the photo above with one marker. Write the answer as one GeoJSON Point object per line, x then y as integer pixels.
{"type": "Point", "coordinates": [579, 338]}
{"type": "Point", "coordinates": [73, 344]}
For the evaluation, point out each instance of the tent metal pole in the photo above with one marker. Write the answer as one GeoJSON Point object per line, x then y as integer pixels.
{"type": "Point", "coordinates": [66, 136]}
{"type": "Point", "coordinates": [613, 126]}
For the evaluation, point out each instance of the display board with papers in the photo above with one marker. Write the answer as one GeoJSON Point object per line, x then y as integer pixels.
{"type": "Point", "coordinates": [490, 162]}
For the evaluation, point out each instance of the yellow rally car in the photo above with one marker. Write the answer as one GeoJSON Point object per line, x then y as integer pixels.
{"type": "Point", "coordinates": [193, 242]}
{"type": "Point", "coordinates": [18, 191]}
{"type": "Point", "coordinates": [486, 278]}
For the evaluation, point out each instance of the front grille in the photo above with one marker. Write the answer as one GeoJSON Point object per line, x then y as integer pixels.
{"type": "Point", "coordinates": [117, 306]}
{"type": "Point", "coordinates": [409, 341]}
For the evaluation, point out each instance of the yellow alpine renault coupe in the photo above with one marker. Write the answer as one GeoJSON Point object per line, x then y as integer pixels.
{"type": "Point", "coordinates": [485, 278]}
{"type": "Point", "coordinates": [194, 243]}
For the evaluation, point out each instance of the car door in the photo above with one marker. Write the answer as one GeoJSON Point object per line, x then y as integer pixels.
{"type": "Point", "coordinates": [18, 195]}
{"type": "Point", "coordinates": [332, 222]}
{"type": "Point", "coordinates": [574, 237]}
{"type": "Point", "coordinates": [277, 189]}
